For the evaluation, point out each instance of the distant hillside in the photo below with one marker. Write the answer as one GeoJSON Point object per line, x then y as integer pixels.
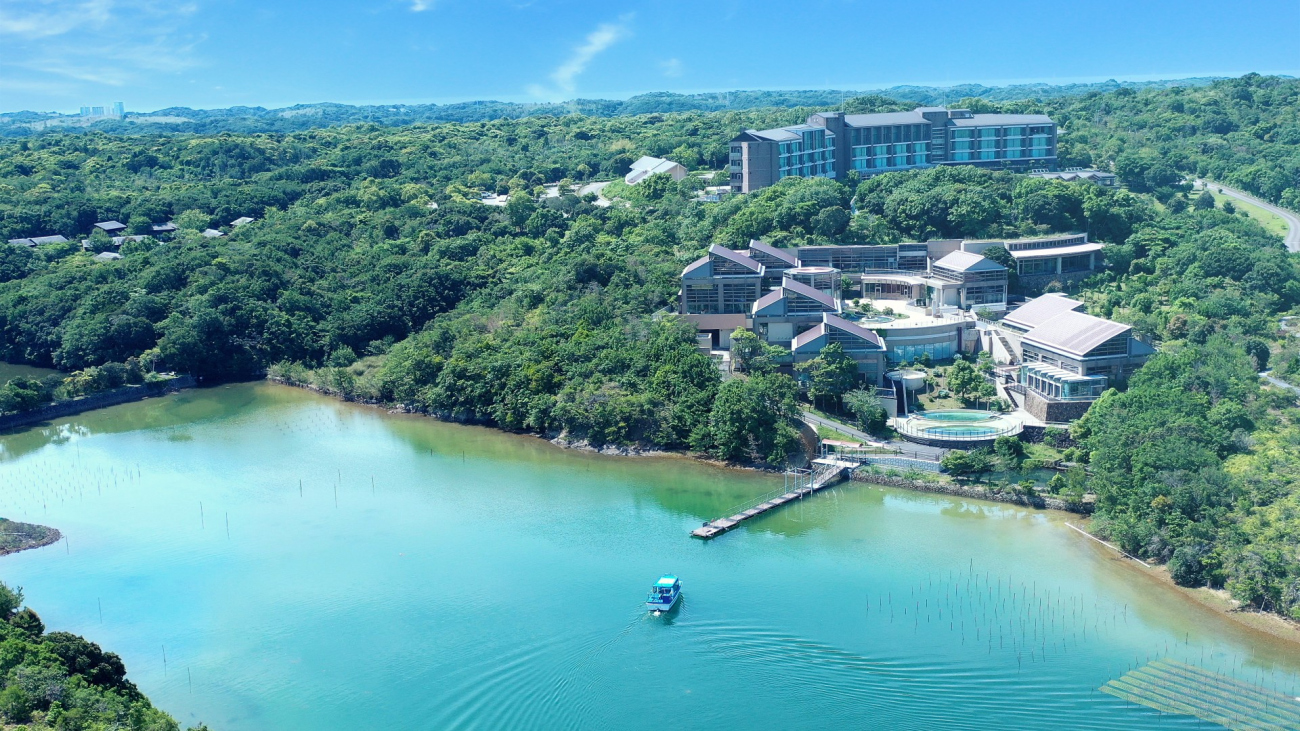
{"type": "Point", "coordinates": [307, 116]}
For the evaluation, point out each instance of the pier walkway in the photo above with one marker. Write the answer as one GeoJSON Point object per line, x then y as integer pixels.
{"type": "Point", "coordinates": [825, 473]}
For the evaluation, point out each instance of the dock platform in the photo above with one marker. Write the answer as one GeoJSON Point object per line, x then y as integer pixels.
{"type": "Point", "coordinates": [826, 472]}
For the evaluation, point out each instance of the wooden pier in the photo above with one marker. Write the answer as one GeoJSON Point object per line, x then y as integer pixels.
{"type": "Point", "coordinates": [825, 473]}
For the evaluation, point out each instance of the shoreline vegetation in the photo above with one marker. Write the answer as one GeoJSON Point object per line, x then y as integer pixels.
{"type": "Point", "coordinates": [16, 536]}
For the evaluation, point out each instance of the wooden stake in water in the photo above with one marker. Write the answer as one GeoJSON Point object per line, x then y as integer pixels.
{"type": "Point", "coordinates": [99, 602]}
{"type": "Point", "coordinates": [164, 648]}
{"type": "Point", "coordinates": [227, 526]}
{"type": "Point", "coordinates": [202, 523]}
{"type": "Point", "coordinates": [189, 679]}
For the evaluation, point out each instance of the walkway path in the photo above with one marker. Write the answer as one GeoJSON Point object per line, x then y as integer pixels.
{"type": "Point", "coordinates": [1267, 376]}
{"type": "Point", "coordinates": [1292, 239]}
{"type": "Point", "coordinates": [919, 451]}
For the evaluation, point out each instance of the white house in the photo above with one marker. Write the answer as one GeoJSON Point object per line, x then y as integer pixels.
{"type": "Point", "coordinates": [647, 166]}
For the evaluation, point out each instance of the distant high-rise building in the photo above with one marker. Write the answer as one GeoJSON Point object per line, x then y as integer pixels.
{"type": "Point", "coordinates": [96, 111]}
{"type": "Point", "coordinates": [831, 144]}
{"type": "Point", "coordinates": [85, 111]}
{"type": "Point", "coordinates": [119, 109]}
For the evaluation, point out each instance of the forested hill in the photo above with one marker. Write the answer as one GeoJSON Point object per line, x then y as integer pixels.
{"type": "Point", "coordinates": [308, 116]}
{"type": "Point", "coordinates": [373, 270]}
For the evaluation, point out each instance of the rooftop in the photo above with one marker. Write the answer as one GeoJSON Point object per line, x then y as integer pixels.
{"type": "Point", "coordinates": [784, 255]}
{"type": "Point", "coordinates": [1074, 332]}
{"type": "Point", "coordinates": [1039, 310]}
{"type": "Point", "coordinates": [964, 261]}
{"type": "Point", "coordinates": [1055, 251]}
{"type": "Point", "coordinates": [994, 120]}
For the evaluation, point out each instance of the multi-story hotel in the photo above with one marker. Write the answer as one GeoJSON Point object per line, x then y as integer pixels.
{"type": "Point", "coordinates": [832, 143]}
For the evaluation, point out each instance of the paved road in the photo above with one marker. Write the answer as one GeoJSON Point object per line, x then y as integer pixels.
{"type": "Point", "coordinates": [1267, 376]}
{"type": "Point", "coordinates": [1292, 239]}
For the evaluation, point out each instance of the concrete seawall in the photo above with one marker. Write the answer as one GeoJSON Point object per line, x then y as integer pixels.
{"type": "Point", "coordinates": [970, 491]}
{"type": "Point", "coordinates": [125, 394]}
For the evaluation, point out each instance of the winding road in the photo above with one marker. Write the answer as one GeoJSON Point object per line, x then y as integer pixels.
{"type": "Point", "coordinates": [1292, 239]}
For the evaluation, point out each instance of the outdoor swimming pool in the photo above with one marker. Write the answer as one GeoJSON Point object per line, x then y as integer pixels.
{"type": "Point", "coordinates": [958, 425]}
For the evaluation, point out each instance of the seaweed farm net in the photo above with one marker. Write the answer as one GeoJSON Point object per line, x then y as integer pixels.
{"type": "Point", "coordinates": [1170, 686]}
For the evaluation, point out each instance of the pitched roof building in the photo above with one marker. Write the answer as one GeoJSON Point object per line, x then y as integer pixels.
{"type": "Point", "coordinates": [647, 166]}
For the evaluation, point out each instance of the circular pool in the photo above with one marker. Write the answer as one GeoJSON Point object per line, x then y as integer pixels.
{"type": "Point", "coordinates": [958, 428]}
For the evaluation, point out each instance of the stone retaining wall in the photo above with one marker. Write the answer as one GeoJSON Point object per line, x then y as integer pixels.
{"type": "Point", "coordinates": [116, 396]}
{"type": "Point", "coordinates": [970, 491]}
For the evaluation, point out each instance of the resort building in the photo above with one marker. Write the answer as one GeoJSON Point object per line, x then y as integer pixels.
{"type": "Point", "coordinates": [724, 282]}
{"type": "Point", "coordinates": [832, 143]}
{"type": "Point", "coordinates": [1067, 358]}
{"type": "Point", "coordinates": [788, 309]}
{"type": "Point", "coordinates": [1098, 177]}
{"type": "Point", "coordinates": [647, 166]}
{"type": "Point", "coordinates": [39, 241]}
{"type": "Point", "coordinates": [864, 346]}
{"type": "Point", "coordinates": [1039, 261]}
{"type": "Point", "coordinates": [968, 281]}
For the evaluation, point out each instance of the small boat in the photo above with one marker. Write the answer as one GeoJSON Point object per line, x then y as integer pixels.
{"type": "Point", "coordinates": [664, 594]}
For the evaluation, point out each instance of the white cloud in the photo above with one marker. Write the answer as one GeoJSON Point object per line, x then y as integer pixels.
{"type": "Point", "coordinates": [104, 46]}
{"type": "Point", "coordinates": [46, 19]}
{"type": "Point", "coordinates": [419, 6]}
{"type": "Point", "coordinates": [672, 67]}
{"type": "Point", "coordinates": [566, 74]}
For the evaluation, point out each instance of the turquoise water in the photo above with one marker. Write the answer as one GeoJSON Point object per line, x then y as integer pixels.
{"type": "Point", "coordinates": [959, 431]}
{"type": "Point", "coordinates": [958, 415]}
{"type": "Point", "coordinates": [436, 576]}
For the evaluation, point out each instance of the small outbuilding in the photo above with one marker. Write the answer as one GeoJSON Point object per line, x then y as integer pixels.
{"type": "Point", "coordinates": [212, 233]}
{"type": "Point", "coordinates": [111, 227]}
{"type": "Point", "coordinates": [647, 166]}
{"type": "Point", "coordinates": [241, 221]}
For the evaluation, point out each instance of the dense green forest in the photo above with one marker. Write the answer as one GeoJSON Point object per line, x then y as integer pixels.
{"type": "Point", "coordinates": [58, 680]}
{"type": "Point", "coordinates": [373, 271]}
{"type": "Point", "coordinates": [309, 116]}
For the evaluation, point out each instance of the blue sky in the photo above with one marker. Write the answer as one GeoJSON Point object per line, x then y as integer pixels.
{"type": "Point", "coordinates": [56, 55]}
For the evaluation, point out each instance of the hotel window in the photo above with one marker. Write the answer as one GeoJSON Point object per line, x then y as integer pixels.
{"type": "Point", "coordinates": [988, 144]}
{"type": "Point", "coordinates": [961, 145]}
{"type": "Point", "coordinates": [961, 156]}
{"type": "Point", "coordinates": [962, 134]}
{"type": "Point", "coordinates": [988, 154]}
{"type": "Point", "coordinates": [1038, 266]}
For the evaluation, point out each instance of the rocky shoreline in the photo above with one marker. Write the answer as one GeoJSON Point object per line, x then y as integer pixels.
{"type": "Point", "coordinates": [15, 536]}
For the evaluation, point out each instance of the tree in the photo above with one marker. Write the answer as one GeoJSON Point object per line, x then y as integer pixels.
{"type": "Point", "coordinates": [967, 464]}
{"type": "Point", "coordinates": [831, 374]}
{"type": "Point", "coordinates": [1010, 452]}
{"type": "Point", "coordinates": [10, 600]}
{"type": "Point", "coordinates": [962, 379]}
{"type": "Point", "coordinates": [830, 222]}
{"type": "Point", "coordinates": [754, 419]}
{"type": "Point", "coordinates": [867, 407]}
{"type": "Point", "coordinates": [749, 354]}
{"type": "Point", "coordinates": [1204, 201]}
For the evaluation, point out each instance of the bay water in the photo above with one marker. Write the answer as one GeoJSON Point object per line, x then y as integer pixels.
{"type": "Point", "coordinates": [267, 558]}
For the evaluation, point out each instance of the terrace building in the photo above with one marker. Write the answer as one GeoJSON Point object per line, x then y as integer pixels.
{"type": "Point", "coordinates": [865, 347]}
{"type": "Point", "coordinates": [832, 143]}
{"type": "Point", "coordinates": [1068, 358]}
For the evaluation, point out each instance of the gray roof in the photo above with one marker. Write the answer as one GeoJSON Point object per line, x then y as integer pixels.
{"type": "Point", "coordinates": [1040, 309]}
{"type": "Point", "coordinates": [767, 300]}
{"type": "Point", "coordinates": [107, 256]}
{"type": "Point", "coordinates": [806, 291]}
{"type": "Point", "coordinates": [964, 261]}
{"type": "Point", "coordinates": [56, 239]}
{"type": "Point", "coordinates": [22, 242]}
{"type": "Point", "coordinates": [784, 255]}
{"type": "Point", "coordinates": [735, 256]}
{"type": "Point", "coordinates": [994, 120]}
{"type": "Point", "coordinates": [839, 323]}
{"type": "Point", "coordinates": [1074, 333]}
{"type": "Point", "coordinates": [241, 221]}
{"type": "Point", "coordinates": [212, 233]}
{"type": "Point", "coordinates": [163, 228]}
{"type": "Point", "coordinates": [779, 134]}
{"type": "Point", "coordinates": [885, 118]}
{"type": "Point", "coordinates": [110, 225]}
